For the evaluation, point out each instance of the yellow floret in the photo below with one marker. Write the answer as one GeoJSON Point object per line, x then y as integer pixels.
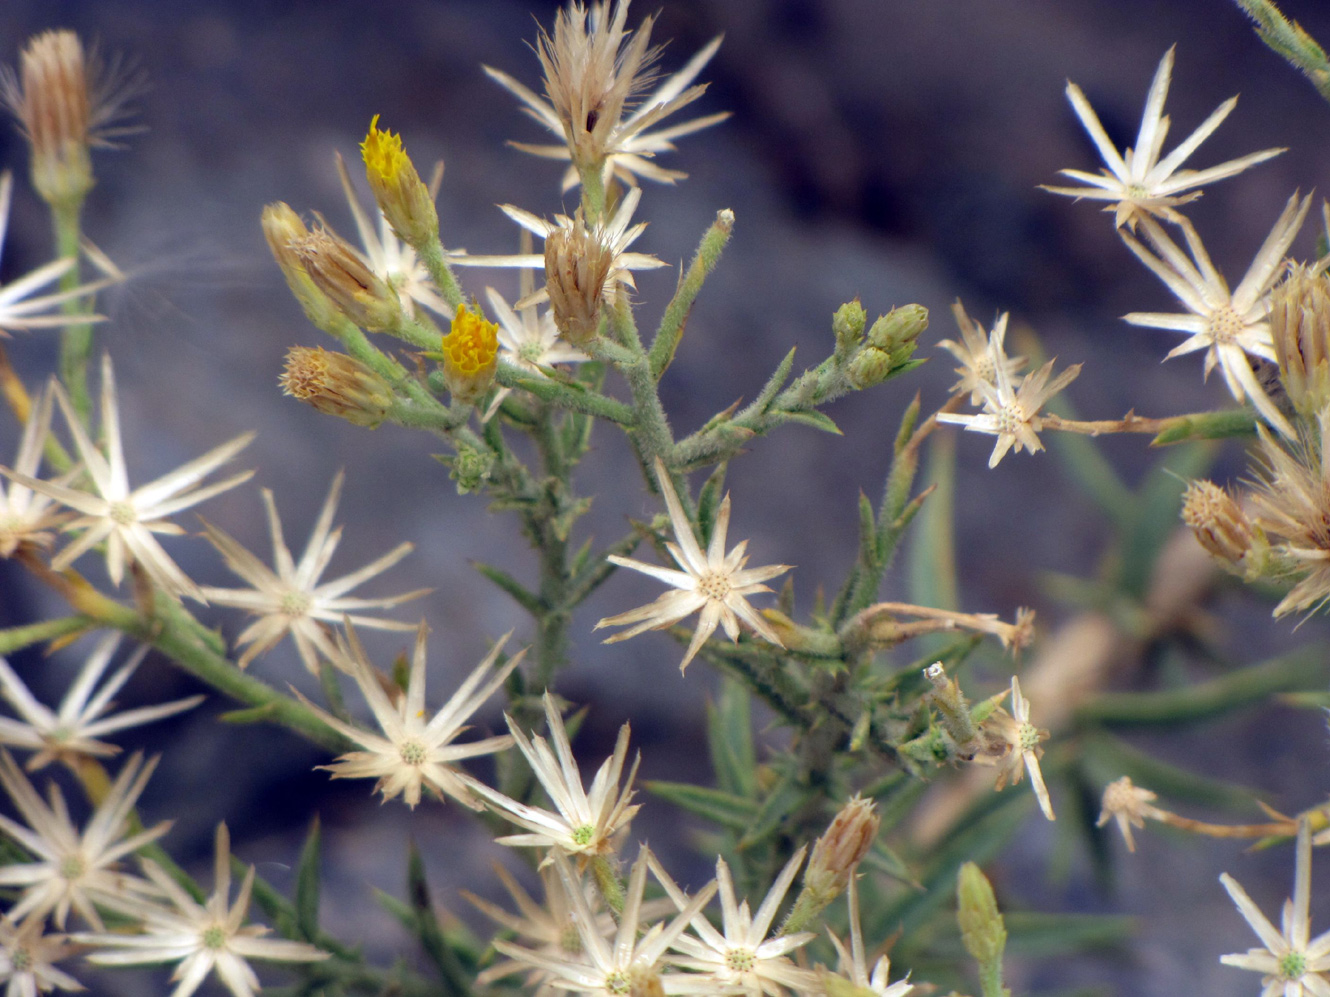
{"type": "Point", "coordinates": [383, 153]}
{"type": "Point", "coordinates": [472, 344]}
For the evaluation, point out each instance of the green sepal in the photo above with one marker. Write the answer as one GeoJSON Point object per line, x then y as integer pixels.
{"type": "Point", "coordinates": [813, 418]}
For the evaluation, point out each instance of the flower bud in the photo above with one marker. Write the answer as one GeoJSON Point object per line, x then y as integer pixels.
{"type": "Point", "coordinates": [577, 264]}
{"type": "Point", "coordinates": [282, 227]}
{"type": "Point", "coordinates": [339, 271]}
{"type": "Point", "coordinates": [470, 468]}
{"type": "Point", "coordinates": [1218, 522]}
{"type": "Point", "coordinates": [336, 384]}
{"type": "Point", "coordinates": [470, 355]}
{"type": "Point", "coordinates": [401, 195]}
{"type": "Point", "coordinates": [871, 366]}
{"type": "Point", "coordinates": [848, 325]}
{"type": "Point", "coordinates": [899, 327]}
{"type": "Point", "coordinates": [951, 706]}
{"type": "Point", "coordinates": [1300, 330]}
{"type": "Point", "coordinates": [841, 849]}
{"type": "Point", "coordinates": [51, 99]}
{"type": "Point", "coordinates": [982, 930]}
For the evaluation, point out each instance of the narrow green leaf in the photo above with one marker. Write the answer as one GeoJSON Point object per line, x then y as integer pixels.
{"type": "Point", "coordinates": [1106, 758]}
{"type": "Point", "coordinates": [815, 419]}
{"type": "Point", "coordinates": [730, 738]}
{"type": "Point", "coordinates": [527, 600]}
{"type": "Point", "coordinates": [307, 884]}
{"type": "Point", "coordinates": [723, 808]}
{"type": "Point", "coordinates": [1208, 426]}
{"type": "Point", "coordinates": [932, 551]}
{"type": "Point", "coordinates": [782, 801]}
{"type": "Point", "coordinates": [1303, 669]}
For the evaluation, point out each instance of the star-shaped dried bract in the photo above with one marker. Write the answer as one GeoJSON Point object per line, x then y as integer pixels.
{"type": "Point", "coordinates": [1011, 413]}
{"type": "Point", "coordinates": [587, 822]}
{"type": "Point", "coordinates": [290, 599]}
{"type": "Point", "coordinates": [717, 583]}
{"type": "Point", "coordinates": [1013, 744]}
{"type": "Point", "coordinates": [211, 937]}
{"type": "Point", "coordinates": [594, 70]}
{"type": "Point", "coordinates": [976, 359]}
{"type": "Point", "coordinates": [73, 870]}
{"type": "Point", "coordinates": [28, 516]}
{"type": "Point", "coordinates": [743, 956]}
{"type": "Point", "coordinates": [626, 962]}
{"type": "Point", "coordinates": [412, 753]}
{"type": "Point", "coordinates": [73, 730]}
{"type": "Point", "coordinates": [28, 957]}
{"type": "Point", "coordinates": [1291, 961]}
{"type": "Point", "coordinates": [1228, 325]}
{"type": "Point", "coordinates": [127, 519]}
{"type": "Point", "coordinates": [1137, 181]}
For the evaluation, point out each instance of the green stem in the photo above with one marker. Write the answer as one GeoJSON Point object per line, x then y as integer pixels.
{"type": "Point", "coordinates": [75, 340]}
{"type": "Point", "coordinates": [651, 429]}
{"type": "Point", "coordinates": [1288, 39]}
{"type": "Point", "coordinates": [436, 262]}
{"type": "Point", "coordinates": [676, 312]}
{"type": "Point", "coordinates": [16, 638]}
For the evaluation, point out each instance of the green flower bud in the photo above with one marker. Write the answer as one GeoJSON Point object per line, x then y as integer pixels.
{"type": "Point", "coordinates": [898, 327]}
{"type": "Point", "coordinates": [848, 324]}
{"type": "Point", "coordinates": [870, 367]}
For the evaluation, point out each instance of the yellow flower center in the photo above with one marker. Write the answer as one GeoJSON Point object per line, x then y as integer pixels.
{"type": "Point", "coordinates": [383, 153]}
{"type": "Point", "coordinates": [582, 835]}
{"type": "Point", "coordinates": [472, 344]}
{"type": "Point", "coordinates": [294, 604]}
{"type": "Point", "coordinates": [1010, 418]}
{"type": "Point", "coordinates": [617, 983]}
{"type": "Point", "coordinates": [21, 960]}
{"type": "Point", "coordinates": [122, 513]}
{"type": "Point", "coordinates": [213, 937]}
{"type": "Point", "coordinates": [72, 867]}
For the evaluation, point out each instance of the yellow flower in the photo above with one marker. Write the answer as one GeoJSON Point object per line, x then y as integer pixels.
{"type": "Point", "coordinates": [470, 354]}
{"type": "Point", "coordinates": [401, 194]}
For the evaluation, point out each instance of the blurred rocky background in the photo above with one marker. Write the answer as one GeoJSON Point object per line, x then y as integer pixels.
{"type": "Point", "coordinates": [886, 149]}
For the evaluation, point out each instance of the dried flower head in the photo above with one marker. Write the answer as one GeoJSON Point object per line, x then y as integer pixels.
{"type": "Point", "coordinates": [73, 870]}
{"type": "Point", "coordinates": [1300, 334]}
{"type": "Point", "coordinates": [1010, 413]}
{"type": "Point", "coordinates": [127, 520]}
{"type": "Point", "coordinates": [976, 359]}
{"type": "Point", "coordinates": [577, 268]}
{"type": "Point", "coordinates": [1218, 522]}
{"type": "Point", "coordinates": [1228, 325]}
{"type": "Point", "coordinates": [202, 938]}
{"type": "Point", "coordinates": [288, 598]}
{"type": "Point", "coordinates": [1291, 498]}
{"type": "Point", "coordinates": [838, 852]}
{"type": "Point", "coordinates": [28, 957]}
{"type": "Point", "coordinates": [716, 584]}
{"type": "Point", "coordinates": [1137, 181]}
{"type": "Point", "coordinates": [1291, 962]}
{"type": "Point", "coordinates": [1128, 806]}
{"type": "Point", "coordinates": [342, 275]}
{"type": "Point", "coordinates": [413, 753]}
{"type": "Point", "coordinates": [587, 823]}
{"type": "Point", "coordinates": [470, 354]}
{"type": "Point", "coordinates": [284, 230]}
{"type": "Point", "coordinates": [75, 728]}
{"type": "Point", "coordinates": [29, 516]}
{"type": "Point", "coordinates": [615, 236]}
{"type": "Point", "coordinates": [67, 102]}
{"type": "Point", "coordinates": [594, 70]}
{"type": "Point", "coordinates": [336, 384]}
{"type": "Point", "coordinates": [401, 195]}
{"type": "Point", "coordinates": [1013, 743]}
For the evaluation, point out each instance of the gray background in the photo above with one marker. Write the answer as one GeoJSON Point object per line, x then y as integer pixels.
{"type": "Point", "coordinates": [883, 148]}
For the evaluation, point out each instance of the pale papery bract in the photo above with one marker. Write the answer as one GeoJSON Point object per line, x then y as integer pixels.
{"type": "Point", "coordinates": [717, 583]}
{"type": "Point", "coordinates": [412, 753]}
{"type": "Point", "coordinates": [1137, 182]}
{"type": "Point", "coordinates": [72, 869]}
{"type": "Point", "coordinates": [75, 727]}
{"type": "Point", "coordinates": [587, 821]}
{"type": "Point", "coordinates": [126, 519]}
{"type": "Point", "coordinates": [201, 939]}
{"type": "Point", "coordinates": [290, 599]}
